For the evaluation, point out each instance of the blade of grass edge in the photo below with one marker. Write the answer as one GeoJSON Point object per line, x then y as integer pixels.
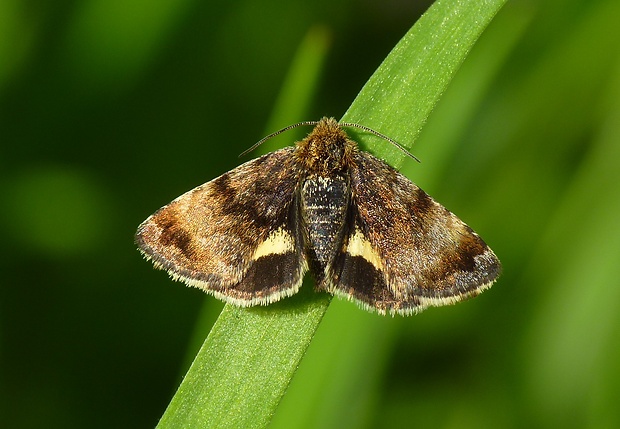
{"type": "Point", "coordinates": [250, 356]}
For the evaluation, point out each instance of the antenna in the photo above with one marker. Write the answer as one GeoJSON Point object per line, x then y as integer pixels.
{"type": "Point", "coordinates": [342, 124]}
{"type": "Point", "coordinates": [378, 134]}
{"type": "Point", "coordinates": [267, 137]}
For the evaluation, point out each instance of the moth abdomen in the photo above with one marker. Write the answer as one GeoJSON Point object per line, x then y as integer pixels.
{"type": "Point", "coordinates": [324, 203]}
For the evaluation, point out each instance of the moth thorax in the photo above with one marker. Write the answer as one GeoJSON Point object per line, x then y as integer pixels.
{"type": "Point", "coordinates": [326, 155]}
{"type": "Point", "coordinates": [324, 202]}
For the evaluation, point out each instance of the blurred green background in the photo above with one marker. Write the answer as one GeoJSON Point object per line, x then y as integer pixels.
{"type": "Point", "coordinates": [110, 109]}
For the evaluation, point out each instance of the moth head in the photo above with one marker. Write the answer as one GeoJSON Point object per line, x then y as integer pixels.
{"type": "Point", "coordinates": [327, 149]}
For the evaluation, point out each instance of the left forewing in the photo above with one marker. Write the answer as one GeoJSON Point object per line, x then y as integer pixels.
{"type": "Point", "coordinates": [235, 236]}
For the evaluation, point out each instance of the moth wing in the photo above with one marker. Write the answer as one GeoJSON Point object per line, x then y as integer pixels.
{"type": "Point", "coordinates": [236, 237]}
{"type": "Point", "coordinates": [404, 251]}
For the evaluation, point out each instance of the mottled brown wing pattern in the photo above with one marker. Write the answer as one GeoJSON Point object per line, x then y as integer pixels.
{"type": "Point", "coordinates": [236, 236]}
{"type": "Point", "coordinates": [405, 252]}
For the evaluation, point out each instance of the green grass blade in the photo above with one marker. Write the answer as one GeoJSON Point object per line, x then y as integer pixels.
{"type": "Point", "coordinates": [401, 94]}
{"type": "Point", "coordinates": [214, 388]}
{"type": "Point", "coordinates": [348, 355]}
{"type": "Point", "coordinates": [250, 356]}
{"type": "Point", "coordinates": [298, 88]}
{"type": "Point", "coordinates": [240, 373]}
{"type": "Point", "coordinates": [291, 106]}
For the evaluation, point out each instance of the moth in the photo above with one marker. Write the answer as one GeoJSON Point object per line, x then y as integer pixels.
{"type": "Point", "coordinates": [364, 231]}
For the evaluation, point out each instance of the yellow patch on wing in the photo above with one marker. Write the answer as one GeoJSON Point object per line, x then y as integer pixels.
{"type": "Point", "coordinates": [360, 246]}
{"type": "Point", "coordinates": [277, 243]}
